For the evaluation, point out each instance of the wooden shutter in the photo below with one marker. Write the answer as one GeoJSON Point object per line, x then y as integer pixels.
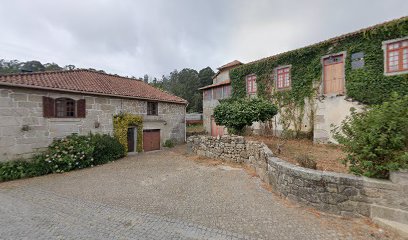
{"type": "Point", "coordinates": [81, 108]}
{"type": "Point", "coordinates": [48, 107]}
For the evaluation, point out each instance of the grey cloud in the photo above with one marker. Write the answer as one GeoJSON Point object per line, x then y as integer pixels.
{"type": "Point", "coordinates": [155, 37]}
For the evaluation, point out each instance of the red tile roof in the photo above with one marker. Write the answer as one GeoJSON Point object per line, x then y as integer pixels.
{"type": "Point", "coordinates": [230, 64]}
{"type": "Point", "coordinates": [338, 38]}
{"type": "Point", "coordinates": [226, 82]}
{"type": "Point", "coordinates": [89, 82]}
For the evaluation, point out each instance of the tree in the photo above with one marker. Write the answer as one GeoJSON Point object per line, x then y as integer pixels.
{"type": "Point", "coordinates": [146, 78]}
{"type": "Point", "coordinates": [69, 67]}
{"type": "Point", "coordinates": [7, 67]}
{"type": "Point", "coordinates": [52, 67]}
{"type": "Point", "coordinates": [376, 140]}
{"type": "Point", "coordinates": [205, 76]}
{"type": "Point", "coordinates": [32, 66]}
{"type": "Point", "coordinates": [236, 114]}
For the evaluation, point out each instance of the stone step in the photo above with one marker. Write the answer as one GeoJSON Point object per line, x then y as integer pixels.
{"type": "Point", "coordinates": [392, 214]}
{"type": "Point", "coordinates": [399, 228]}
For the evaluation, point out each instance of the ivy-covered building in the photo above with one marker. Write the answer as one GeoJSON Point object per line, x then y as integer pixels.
{"type": "Point", "coordinates": [315, 86]}
{"type": "Point", "coordinates": [36, 108]}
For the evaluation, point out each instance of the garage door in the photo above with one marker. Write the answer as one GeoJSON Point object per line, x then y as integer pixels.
{"type": "Point", "coordinates": [151, 140]}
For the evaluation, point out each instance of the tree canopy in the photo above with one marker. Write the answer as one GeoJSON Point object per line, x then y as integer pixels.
{"type": "Point", "coordinates": [185, 84]}
{"type": "Point", "coordinates": [236, 114]}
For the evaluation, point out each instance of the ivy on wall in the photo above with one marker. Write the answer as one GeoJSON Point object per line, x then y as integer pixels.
{"type": "Point", "coordinates": [367, 85]}
{"type": "Point", "coordinates": [121, 122]}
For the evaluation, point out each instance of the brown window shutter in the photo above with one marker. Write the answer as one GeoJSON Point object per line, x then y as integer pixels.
{"type": "Point", "coordinates": [81, 108]}
{"type": "Point", "coordinates": [48, 107]}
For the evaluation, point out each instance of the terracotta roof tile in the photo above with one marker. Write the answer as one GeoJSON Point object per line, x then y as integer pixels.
{"type": "Point", "coordinates": [90, 82]}
{"type": "Point", "coordinates": [230, 64]}
{"type": "Point", "coordinates": [226, 82]}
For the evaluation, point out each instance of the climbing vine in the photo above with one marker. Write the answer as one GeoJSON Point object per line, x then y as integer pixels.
{"type": "Point", "coordinates": [367, 85]}
{"type": "Point", "coordinates": [121, 122]}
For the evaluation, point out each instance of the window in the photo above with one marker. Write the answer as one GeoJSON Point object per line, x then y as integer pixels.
{"type": "Point", "coordinates": [152, 108]}
{"type": "Point", "coordinates": [283, 77]}
{"type": "Point", "coordinates": [65, 107]}
{"type": "Point", "coordinates": [251, 84]}
{"type": "Point", "coordinates": [396, 56]}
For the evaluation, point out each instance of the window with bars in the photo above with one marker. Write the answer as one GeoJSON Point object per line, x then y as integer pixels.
{"type": "Point", "coordinates": [396, 56]}
{"type": "Point", "coordinates": [152, 108]}
{"type": "Point", "coordinates": [283, 78]}
{"type": "Point", "coordinates": [251, 84]}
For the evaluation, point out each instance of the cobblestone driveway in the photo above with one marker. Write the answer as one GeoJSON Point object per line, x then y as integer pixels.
{"type": "Point", "coordinates": [161, 195]}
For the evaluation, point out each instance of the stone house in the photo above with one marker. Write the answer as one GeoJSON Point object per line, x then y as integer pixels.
{"type": "Point", "coordinates": [315, 86]}
{"type": "Point", "coordinates": [36, 108]}
{"type": "Point", "coordinates": [219, 89]}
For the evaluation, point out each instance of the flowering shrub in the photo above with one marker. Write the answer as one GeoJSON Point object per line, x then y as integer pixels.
{"type": "Point", "coordinates": [69, 153]}
{"type": "Point", "coordinates": [72, 152]}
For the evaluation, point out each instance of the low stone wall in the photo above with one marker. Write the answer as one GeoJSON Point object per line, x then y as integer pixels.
{"type": "Point", "coordinates": [342, 194]}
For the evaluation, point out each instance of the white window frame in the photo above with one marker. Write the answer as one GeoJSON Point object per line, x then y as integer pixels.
{"type": "Point", "coordinates": [384, 48]}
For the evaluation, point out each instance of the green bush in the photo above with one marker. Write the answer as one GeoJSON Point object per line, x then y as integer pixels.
{"type": "Point", "coordinates": [236, 114]}
{"type": "Point", "coordinates": [169, 143]}
{"type": "Point", "coordinates": [71, 152]}
{"type": "Point", "coordinates": [23, 168]}
{"type": "Point", "coordinates": [376, 140]}
{"type": "Point", "coordinates": [106, 148]}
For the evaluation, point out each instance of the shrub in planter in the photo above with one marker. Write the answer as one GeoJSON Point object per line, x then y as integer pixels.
{"type": "Point", "coordinates": [106, 148]}
{"type": "Point", "coordinates": [376, 140]}
{"type": "Point", "coordinates": [72, 152]}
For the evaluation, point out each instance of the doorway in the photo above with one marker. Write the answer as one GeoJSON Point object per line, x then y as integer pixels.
{"type": "Point", "coordinates": [131, 139]}
{"type": "Point", "coordinates": [151, 139]}
{"type": "Point", "coordinates": [333, 74]}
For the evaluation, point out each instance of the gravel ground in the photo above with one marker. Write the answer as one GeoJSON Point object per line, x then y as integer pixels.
{"type": "Point", "coordinates": [163, 195]}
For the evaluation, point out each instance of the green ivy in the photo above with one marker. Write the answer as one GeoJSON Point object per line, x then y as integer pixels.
{"type": "Point", "coordinates": [367, 85]}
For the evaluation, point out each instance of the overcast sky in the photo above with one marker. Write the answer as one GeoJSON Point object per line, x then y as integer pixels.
{"type": "Point", "coordinates": [130, 37]}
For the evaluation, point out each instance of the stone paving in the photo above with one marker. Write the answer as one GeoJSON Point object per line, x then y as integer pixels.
{"type": "Point", "coordinates": [162, 195]}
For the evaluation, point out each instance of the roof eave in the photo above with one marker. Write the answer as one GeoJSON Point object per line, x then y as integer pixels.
{"type": "Point", "coordinates": [89, 93]}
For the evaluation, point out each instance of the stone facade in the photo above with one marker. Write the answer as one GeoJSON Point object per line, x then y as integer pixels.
{"type": "Point", "coordinates": [337, 193]}
{"type": "Point", "coordinates": [23, 129]}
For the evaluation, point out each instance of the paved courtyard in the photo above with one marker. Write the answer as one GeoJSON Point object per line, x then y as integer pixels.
{"type": "Point", "coordinates": [162, 195]}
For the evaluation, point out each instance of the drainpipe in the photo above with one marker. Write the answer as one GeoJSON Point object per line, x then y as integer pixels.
{"type": "Point", "coordinates": [185, 124]}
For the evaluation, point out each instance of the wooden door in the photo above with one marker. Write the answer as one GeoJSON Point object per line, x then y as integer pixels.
{"type": "Point", "coordinates": [216, 130]}
{"type": "Point", "coordinates": [333, 81]}
{"type": "Point", "coordinates": [131, 139]}
{"type": "Point", "coordinates": [151, 140]}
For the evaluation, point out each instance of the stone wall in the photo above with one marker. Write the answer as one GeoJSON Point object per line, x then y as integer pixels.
{"type": "Point", "coordinates": [342, 194]}
{"type": "Point", "coordinates": [23, 107]}
{"type": "Point", "coordinates": [331, 110]}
